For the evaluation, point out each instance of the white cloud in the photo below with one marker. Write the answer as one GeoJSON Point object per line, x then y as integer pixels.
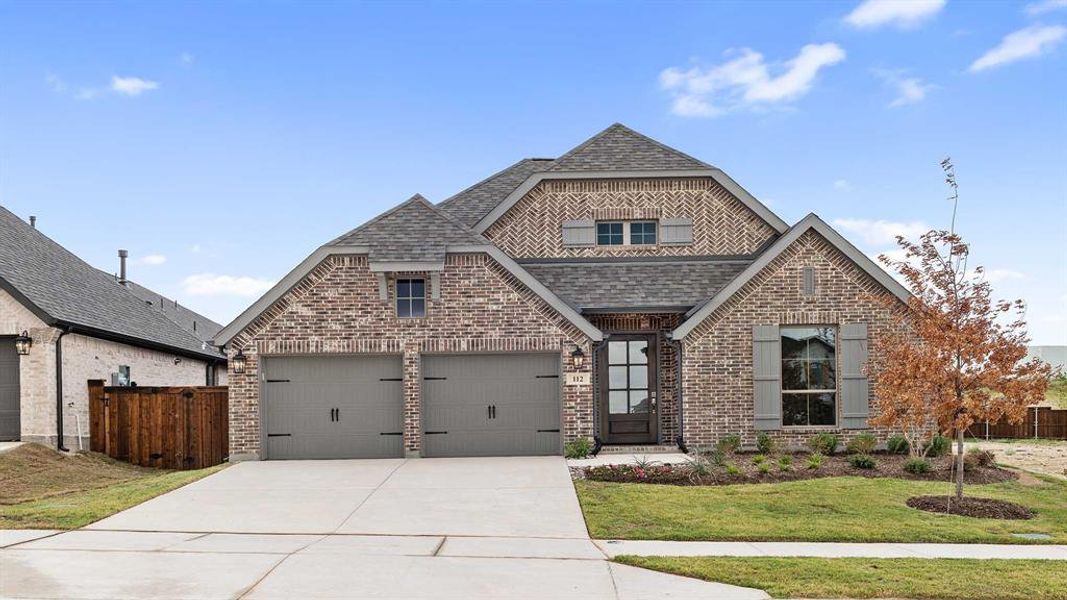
{"type": "Point", "coordinates": [210, 284]}
{"type": "Point", "coordinates": [1029, 42]}
{"type": "Point", "coordinates": [843, 185]}
{"type": "Point", "coordinates": [132, 86]}
{"type": "Point", "coordinates": [1040, 8]}
{"type": "Point", "coordinates": [882, 232]}
{"type": "Point", "coordinates": [905, 14]}
{"type": "Point", "coordinates": [909, 90]}
{"type": "Point", "coordinates": [745, 80]}
{"type": "Point", "coordinates": [995, 275]}
{"type": "Point", "coordinates": [186, 59]}
{"type": "Point", "coordinates": [152, 260]}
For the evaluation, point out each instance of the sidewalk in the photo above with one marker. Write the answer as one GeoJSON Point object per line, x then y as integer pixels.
{"type": "Point", "coordinates": [615, 548]}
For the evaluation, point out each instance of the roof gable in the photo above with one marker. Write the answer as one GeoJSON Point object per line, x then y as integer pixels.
{"type": "Point", "coordinates": [619, 148]}
{"type": "Point", "coordinates": [809, 223]}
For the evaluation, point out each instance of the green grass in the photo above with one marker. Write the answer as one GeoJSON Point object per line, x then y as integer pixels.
{"type": "Point", "coordinates": [43, 489]}
{"type": "Point", "coordinates": [833, 509]}
{"type": "Point", "coordinates": [928, 579]}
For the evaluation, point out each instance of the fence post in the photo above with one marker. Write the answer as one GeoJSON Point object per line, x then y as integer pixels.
{"type": "Point", "coordinates": [987, 429]}
{"type": "Point", "coordinates": [1035, 422]}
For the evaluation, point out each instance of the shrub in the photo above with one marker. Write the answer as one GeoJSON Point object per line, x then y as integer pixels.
{"type": "Point", "coordinates": [732, 470]}
{"type": "Point", "coordinates": [765, 444]}
{"type": "Point", "coordinates": [716, 457]}
{"type": "Point", "coordinates": [939, 445]}
{"type": "Point", "coordinates": [579, 448]}
{"type": "Point", "coordinates": [759, 459]}
{"type": "Point", "coordinates": [982, 458]}
{"type": "Point", "coordinates": [699, 466]}
{"type": "Point", "coordinates": [815, 460]}
{"type": "Point", "coordinates": [861, 461]}
{"type": "Point", "coordinates": [917, 466]}
{"type": "Point", "coordinates": [644, 462]}
{"type": "Point", "coordinates": [729, 444]}
{"type": "Point", "coordinates": [785, 463]}
{"type": "Point", "coordinates": [863, 443]}
{"type": "Point", "coordinates": [764, 468]}
{"type": "Point", "coordinates": [897, 444]}
{"type": "Point", "coordinates": [823, 443]}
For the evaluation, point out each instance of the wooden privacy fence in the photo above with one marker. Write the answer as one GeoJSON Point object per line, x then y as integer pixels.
{"type": "Point", "coordinates": [166, 427]}
{"type": "Point", "coordinates": [1040, 422]}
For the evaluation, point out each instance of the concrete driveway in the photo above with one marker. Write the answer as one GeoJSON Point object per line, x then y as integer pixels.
{"type": "Point", "coordinates": [424, 528]}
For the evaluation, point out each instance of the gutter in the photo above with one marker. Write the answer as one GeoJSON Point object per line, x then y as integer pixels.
{"type": "Point", "coordinates": [59, 390]}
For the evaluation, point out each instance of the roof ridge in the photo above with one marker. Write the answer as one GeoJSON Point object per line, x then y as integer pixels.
{"type": "Point", "coordinates": [416, 198]}
{"type": "Point", "coordinates": [619, 127]}
{"type": "Point", "coordinates": [489, 178]}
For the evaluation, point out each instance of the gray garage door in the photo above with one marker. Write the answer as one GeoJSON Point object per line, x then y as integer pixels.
{"type": "Point", "coordinates": [9, 390]}
{"type": "Point", "coordinates": [490, 405]}
{"type": "Point", "coordinates": [333, 407]}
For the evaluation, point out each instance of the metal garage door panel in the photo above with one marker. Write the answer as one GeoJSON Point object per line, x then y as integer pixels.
{"type": "Point", "coordinates": [301, 395]}
{"type": "Point", "coordinates": [458, 389]}
{"type": "Point", "coordinates": [9, 391]}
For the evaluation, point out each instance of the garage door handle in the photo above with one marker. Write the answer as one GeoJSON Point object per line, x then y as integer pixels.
{"type": "Point", "coordinates": [391, 433]}
{"type": "Point", "coordinates": [279, 434]}
{"type": "Point", "coordinates": [435, 432]}
{"type": "Point", "coordinates": [547, 431]}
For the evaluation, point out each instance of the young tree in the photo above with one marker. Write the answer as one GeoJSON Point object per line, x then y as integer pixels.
{"type": "Point", "coordinates": [951, 360]}
{"type": "Point", "coordinates": [956, 357]}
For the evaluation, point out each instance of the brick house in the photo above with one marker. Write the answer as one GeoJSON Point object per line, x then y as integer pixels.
{"type": "Point", "coordinates": [84, 324]}
{"type": "Point", "coordinates": [624, 291]}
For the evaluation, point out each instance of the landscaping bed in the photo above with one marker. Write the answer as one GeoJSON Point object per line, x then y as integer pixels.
{"type": "Point", "coordinates": [968, 506]}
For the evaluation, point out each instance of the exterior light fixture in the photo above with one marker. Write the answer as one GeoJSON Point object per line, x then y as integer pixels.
{"type": "Point", "coordinates": [578, 357]}
{"type": "Point", "coordinates": [23, 343]}
{"type": "Point", "coordinates": [238, 362]}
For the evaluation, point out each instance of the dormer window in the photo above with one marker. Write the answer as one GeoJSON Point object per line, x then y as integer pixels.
{"type": "Point", "coordinates": [410, 298]}
{"type": "Point", "coordinates": [626, 233]}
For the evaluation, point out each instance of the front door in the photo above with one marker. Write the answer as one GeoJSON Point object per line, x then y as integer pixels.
{"type": "Point", "coordinates": [628, 389]}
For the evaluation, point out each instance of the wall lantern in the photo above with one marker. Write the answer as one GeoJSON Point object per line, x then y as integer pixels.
{"type": "Point", "coordinates": [23, 343]}
{"type": "Point", "coordinates": [238, 362]}
{"type": "Point", "coordinates": [578, 357]}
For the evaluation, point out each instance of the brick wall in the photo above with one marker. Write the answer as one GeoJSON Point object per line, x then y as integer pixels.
{"type": "Point", "coordinates": [336, 308]}
{"type": "Point", "coordinates": [721, 223]}
{"type": "Point", "coordinates": [717, 369]}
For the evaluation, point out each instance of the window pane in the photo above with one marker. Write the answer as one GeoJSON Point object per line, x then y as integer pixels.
{"type": "Point", "coordinates": [639, 352]}
{"type": "Point", "coordinates": [794, 409]}
{"type": "Point", "coordinates": [418, 288]}
{"type": "Point", "coordinates": [617, 404]}
{"type": "Point", "coordinates": [821, 375]}
{"type": "Point", "coordinates": [795, 342]}
{"type": "Point", "coordinates": [642, 233]}
{"type": "Point", "coordinates": [403, 308]}
{"type": "Point", "coordinates": [639, 377]}
{"type": "Point", "coordinates": [821, 409]}
{"type": "Point", "coordinates": [403, 288]}
{"type": "Point", "coordinates": [418, 308]}
{"type": "Point", "coordinates": [639, 402]}
{"type": "Point", "coordinates": [617, 378]}
{"type": "Point", "coordinates": [794, 376]}
{"type": "Point", "coordinates": [616, 353]}
{"type": "Point", "coordinates": [609, 234]}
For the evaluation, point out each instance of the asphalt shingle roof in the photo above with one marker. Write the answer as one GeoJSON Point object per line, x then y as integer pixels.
{"type": "Point", "coordinates": [619, 148]}
{"type": "Point", "coordinates": [593, 285]}
{"type": "Point", "coordinates": [413, 231]}
{"type": "Point", "coordinates": [189, 320]}
{"type": "Point", "coordinates": [71, 291]}
{"type": "Point", "coordinates": [473, 203]}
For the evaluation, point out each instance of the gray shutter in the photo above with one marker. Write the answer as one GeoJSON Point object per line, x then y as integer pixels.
{"type": "Point", "coordinates": [676, 231]}
{"type": "Point", "coordinates": [855, 395]}
{"type": "Point", "coordinates": [579, 233]}
{"type": "Point", "coordinates": [767, 376]}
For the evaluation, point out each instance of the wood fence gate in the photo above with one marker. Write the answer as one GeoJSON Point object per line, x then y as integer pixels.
{"type": "Point", "coordinates": [166, 427]}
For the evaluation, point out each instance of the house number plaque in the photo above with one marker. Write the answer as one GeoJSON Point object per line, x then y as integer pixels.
{"type": "Point", "coordinates": [577, 379]}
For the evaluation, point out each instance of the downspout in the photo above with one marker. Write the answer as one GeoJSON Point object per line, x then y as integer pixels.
{"type": "Point", "coordinates": [59, 390]}
{"type": "Point", "coordinates": [678, 383]}
{"type": "Point", "coordinates": [597, 442]}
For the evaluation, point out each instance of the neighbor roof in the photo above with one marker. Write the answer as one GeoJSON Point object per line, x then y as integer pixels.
{"type": "Point", "coordinates": [65, 291]}
{"type": "Point", "coordinates": [191, 321]}
{"type": "Point", "coordinates": [679, 284]}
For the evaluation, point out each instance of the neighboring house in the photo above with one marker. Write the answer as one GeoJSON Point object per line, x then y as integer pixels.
{"type": "Point", "coordinates": [1053, 355]}
{"type": "Point", "coordinates": [94, 326]}
{"type": "Point", "coordinates": [624, 291]}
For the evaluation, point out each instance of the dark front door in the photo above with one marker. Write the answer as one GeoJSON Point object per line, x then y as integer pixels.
{"type": "Point", "coordinates": [628, 389]}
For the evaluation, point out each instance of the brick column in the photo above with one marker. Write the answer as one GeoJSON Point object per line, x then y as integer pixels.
{"type": "Point", "coordinates": [577, 399]}
{"type": "Point", "coordinates": [412, 402]}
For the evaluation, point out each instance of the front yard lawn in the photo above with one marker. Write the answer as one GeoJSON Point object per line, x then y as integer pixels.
{"type": "Point", "coordinates": [835, 509]}
{"type": "Point", "coordinates": [43, 489]}
{"type": "Point", "coordinates": [931, 579]}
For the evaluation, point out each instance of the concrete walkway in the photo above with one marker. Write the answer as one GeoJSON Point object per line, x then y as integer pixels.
{"type": "Point", "coordinates": [614, 548]}
{"type": "Point", "coordinates": [427, 528]}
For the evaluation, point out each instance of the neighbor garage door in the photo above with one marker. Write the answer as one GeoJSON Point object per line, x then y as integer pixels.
{"type": "Point", "coordinates": [9, 390]}
{"type": "Point", "coordinates": [333, 407]}
{"type": "Point", "coordinates": [490, 405]}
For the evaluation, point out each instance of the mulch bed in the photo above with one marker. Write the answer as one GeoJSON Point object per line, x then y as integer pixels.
{"type": "Point", "coordinates": [886, 465]}
{"type": "Point", "coordinates": [968, 506]}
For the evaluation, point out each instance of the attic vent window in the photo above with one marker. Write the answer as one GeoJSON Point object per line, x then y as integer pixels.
{"type": "Point", "coordinates": [807, 286]}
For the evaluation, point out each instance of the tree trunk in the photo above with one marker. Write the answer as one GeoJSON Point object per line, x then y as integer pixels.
{"type": "Point", "coordinates": [959, 463]}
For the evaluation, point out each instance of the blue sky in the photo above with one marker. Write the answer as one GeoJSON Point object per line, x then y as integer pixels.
{"type": "Point", "coordinates": [222, 142]}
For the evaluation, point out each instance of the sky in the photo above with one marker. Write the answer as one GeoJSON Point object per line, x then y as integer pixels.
{"type": "Point", "coordinates": [221, 143]}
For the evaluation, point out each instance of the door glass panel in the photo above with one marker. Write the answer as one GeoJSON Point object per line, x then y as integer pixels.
{"type": "Point", "coordinates": [616, 353]}
{"type": "Point", "coordinates": [617, 378]}
{"type": "Point", "coordinates": [638, 376]}
{"type": "Point", "coordinates": [617, 403]}
{"type": "Point", "coordinates": [639, 352]}
{"type": "Point", "coordinates": [638, 401]}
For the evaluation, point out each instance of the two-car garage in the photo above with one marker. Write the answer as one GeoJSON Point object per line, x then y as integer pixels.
{"type": "Point", "coordinates": [353, 406]}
